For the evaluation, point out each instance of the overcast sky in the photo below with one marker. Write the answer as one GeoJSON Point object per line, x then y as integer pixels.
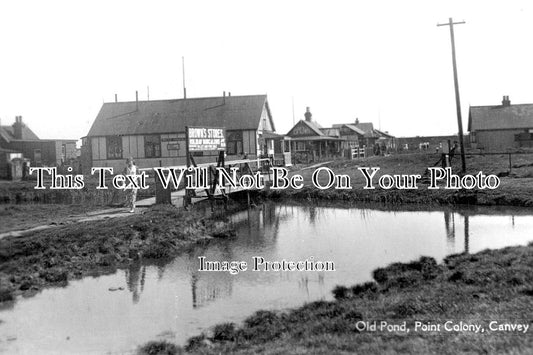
{"type": "Point", "coordinates": [381, 61]}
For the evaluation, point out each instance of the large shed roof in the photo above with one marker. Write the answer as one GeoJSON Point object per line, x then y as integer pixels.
{"type": "Point", "coordinates": [500, 117]}
{"type": "Point", "coordinates": [165, 116]}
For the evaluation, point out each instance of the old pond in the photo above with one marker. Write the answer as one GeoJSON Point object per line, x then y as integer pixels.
{"type": "Point", "coordinates": [173, 301]}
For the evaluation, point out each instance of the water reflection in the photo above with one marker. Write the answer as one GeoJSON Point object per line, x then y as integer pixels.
{"type": "Point", "coordinates": [449, 225]}
{"type": "Point", "coordinates": [135, 278]}
{"type": "Point", "coordinates": [262, 227]}
{"type": "Point", "coordinates": [467, 234]}
{"type": "Point", "coordinates": [178, 300]}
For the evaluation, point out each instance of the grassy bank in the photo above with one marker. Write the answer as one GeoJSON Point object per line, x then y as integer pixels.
{"type": "Point", "coordinates": [24, 192]}
{"type": "Point", "coordinates": [493, 285]}
{"type": "Point", "coordinates": [25, 216]}
{"type": "Point", "coordinates": [52, 257]}
{"type": "Point", "coordinates": [516, 188]}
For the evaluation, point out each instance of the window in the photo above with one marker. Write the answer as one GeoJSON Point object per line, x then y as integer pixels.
{"type": "Point", "coordinates": [37, 156]}
{"type": "Point", "coordinates": [63, 153]}
{"type": "Point", "coordinates": [472, 137]}
{"type": "Point", "coordinates": [152, 146]}
{"type": "Point", "coordinates": [300, 146]}
{"type": "Point", "coordinates": [234, 143]}
{"type": "Point", "coordinates": [114, 147]}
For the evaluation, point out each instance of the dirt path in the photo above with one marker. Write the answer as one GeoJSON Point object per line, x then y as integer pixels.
{"type": "Point", "coordinates": [86, 217]}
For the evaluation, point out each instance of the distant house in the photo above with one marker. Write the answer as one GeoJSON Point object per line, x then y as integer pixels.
{"type": "Point", "coordinates": [41, 152]}
{"type": "Point", "coordinates": [363, 134]}
{"type": "Point", "coordinates": [353, 137]}
{"type": "Point", "coordinates": [501, 127]}
{"type": "Point", "coordinates": [308, 137]}
{"type": "Point", "coordinates": [153, 132]}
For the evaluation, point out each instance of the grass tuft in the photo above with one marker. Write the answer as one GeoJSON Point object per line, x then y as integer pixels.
{"type": "Point", "coordinates": [159, 348]}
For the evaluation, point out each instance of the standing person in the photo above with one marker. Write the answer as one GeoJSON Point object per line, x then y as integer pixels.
{"type": "Point", "coordinates": [131, 196]}
{"type": "Point", "coordinates": [454, 150]}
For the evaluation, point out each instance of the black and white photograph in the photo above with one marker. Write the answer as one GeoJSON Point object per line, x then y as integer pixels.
{"type": "Point", "coordinates": [266, 177]}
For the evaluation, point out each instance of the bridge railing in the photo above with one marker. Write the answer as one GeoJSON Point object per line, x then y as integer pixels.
{"type": "Point", "coordinates": [245, 166]}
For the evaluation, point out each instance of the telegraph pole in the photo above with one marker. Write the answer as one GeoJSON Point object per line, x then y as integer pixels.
{"type": "Point", "coordinates": [457, 99]}
{"type": "Point", "coordinates": [183, 70]}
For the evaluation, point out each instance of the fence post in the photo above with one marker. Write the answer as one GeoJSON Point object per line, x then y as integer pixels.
{"type": "Point", "coordinates": [510, 166]}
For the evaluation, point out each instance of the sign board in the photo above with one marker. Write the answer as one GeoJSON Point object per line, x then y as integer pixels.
{"type": "Point", "coordinates": [206, 139]}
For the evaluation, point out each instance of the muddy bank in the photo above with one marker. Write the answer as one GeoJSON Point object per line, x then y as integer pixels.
{"type": "Point", "coordinates": [493, 285]}
{"type": "Point", "coordinates": [52, 257]}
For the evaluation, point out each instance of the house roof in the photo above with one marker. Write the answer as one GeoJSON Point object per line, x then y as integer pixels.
{"type": "Point", "coordinates": [271, 135]}
{"type": "Point", "coordinates": [355, 129]}
{"type": "Point", "coordinates": [162, 116]}
{"type": "Point", "coordinates": [313, 126]}
{"type": "Point", "coordinates": [366, 128]}
{"type": "Point", "coordinates": [8, 133]}
{"type": "Point", "coordinates": [500, 117]}
{"type": "Point", "coordinates": [383, 134]}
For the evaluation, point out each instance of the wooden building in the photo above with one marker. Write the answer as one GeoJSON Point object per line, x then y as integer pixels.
{"type": "Point", "coordinates": [309, 141]}
{"type": "Point", "coordinates": [354, 137]}
{"type": "Point", "coordinates": [501, 127]}
{"type": "Point", "coordinates": [153, 132]}
{"type": "Point", "coordinates": [41, 152]}
{"type": "Point", "coordinates": [363, 134]}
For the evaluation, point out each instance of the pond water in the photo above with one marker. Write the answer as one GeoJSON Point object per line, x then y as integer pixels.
{"type": "Point", "coordinates": [174, 301]}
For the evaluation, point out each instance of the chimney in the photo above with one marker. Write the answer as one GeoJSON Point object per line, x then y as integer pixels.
{"type": "Point", "coordinates": [17, 127]}
{"type": "Point", "coordinates": [506, 101]}
{"type": "Point", "coordinates": [116, 98]}
{"type": "Point", "coordinates": [224, 97]}
{"type": "Point", "coordinates": [229, 93]}
{"type": "Point", "coordinates": [357, 121]}
{"type": "Point", "coordinates": [308, 115]}
{"type": "Point", "coordinates": [137, 100]}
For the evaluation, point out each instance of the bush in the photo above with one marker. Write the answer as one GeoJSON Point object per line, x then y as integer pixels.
{"type": "Point", "coordinates": [194, 342]}
{"type": "Point", "coordinates": [380, 275]}
{"type": "Point", "coordinates": [364, 288]}
{"type": "Point", "coordinates": [263, 326]}
{"type": "Point", "coordinates": [261, 318]}
{"type": "Point", "coordinates": [224, 331]}
{"type": "Point", "coordinates": [159, 348]}
{"type": "Point", "coordinates": [341, 292]}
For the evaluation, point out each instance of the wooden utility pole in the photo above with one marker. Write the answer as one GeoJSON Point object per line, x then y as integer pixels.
{"type": "Point", "coordinates": [457, 99]}
{"type": "Point", "coordinates": [183, 70]}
